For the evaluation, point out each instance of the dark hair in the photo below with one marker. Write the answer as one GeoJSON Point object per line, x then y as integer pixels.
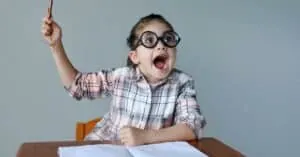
{"type": "Point", "coordinates": [133, 36]}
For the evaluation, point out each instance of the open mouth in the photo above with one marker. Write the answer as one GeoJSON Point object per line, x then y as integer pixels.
{"type": "Point", "coordinates": [160, 61]}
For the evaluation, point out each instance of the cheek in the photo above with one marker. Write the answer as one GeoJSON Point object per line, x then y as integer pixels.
{"type": "Point", "coordinates": [145, 54]}
{"type": "Point", "coordinates": [173, 53]}
{"type": "Point", "coordinates": [146, 58]}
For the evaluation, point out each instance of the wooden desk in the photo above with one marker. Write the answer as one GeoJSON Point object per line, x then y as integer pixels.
{"type": "Point", "coordinates": [210, 146]}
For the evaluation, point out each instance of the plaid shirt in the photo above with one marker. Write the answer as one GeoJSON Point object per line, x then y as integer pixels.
{"type": "Point", "coordinates": [136, 103]}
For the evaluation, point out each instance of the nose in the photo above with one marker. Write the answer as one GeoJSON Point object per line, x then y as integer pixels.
{"type": "Point", "coordinates": [160, 45]}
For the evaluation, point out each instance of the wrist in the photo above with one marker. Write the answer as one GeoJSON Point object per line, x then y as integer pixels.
{"type": "Point", "coordinates": [56, 46]}
{"type": "Point", "coordinates": [149, 136]}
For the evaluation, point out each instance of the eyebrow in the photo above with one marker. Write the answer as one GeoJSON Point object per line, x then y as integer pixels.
{"type": "Point", "coordinates": [167, 30]}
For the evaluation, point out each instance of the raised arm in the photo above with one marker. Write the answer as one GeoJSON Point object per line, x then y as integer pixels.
{"type": "Point", "coordinates": [52, 33]}
{"type": "Point", "coordinates": [80, 85]}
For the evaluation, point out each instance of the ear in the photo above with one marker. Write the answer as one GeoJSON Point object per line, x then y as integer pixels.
{"type": "Point", "coordinates": [133, 57]}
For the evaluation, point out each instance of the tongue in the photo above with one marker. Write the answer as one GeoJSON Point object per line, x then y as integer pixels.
{"type": "Point", "coordinates": [159, 64]}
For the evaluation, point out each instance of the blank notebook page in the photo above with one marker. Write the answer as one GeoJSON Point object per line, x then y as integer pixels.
{"type": "Point", "coordinates": [101, 150]}
{"type": "Point", "coordinates": [166, 149]}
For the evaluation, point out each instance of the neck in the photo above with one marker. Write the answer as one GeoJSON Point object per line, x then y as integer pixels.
{"type": "Point", "coordinates": [149, 78]}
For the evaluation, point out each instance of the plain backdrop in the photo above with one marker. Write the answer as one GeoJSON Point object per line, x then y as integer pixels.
{"type": "Point", "coordinates": [244, 56]}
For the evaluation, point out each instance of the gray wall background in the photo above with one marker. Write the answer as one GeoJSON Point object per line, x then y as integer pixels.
{"type": "Point", "coordinates": [244, 56]}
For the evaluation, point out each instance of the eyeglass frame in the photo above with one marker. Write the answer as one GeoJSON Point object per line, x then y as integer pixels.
{"type": "Point", "coordinates": [140, 41]}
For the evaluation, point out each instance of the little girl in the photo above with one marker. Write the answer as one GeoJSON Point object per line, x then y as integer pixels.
{"type": "Point", "coordinates": [152, 101]}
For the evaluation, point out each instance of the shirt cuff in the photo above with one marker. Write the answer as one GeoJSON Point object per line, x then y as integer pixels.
{"type": "Point", "coordinates": [197, 124]}
{"type": "Point", "coordinates": [73, 88]}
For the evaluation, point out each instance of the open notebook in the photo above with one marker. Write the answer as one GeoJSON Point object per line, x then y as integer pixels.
{"type": "Point", "coordinates": [172, 149]}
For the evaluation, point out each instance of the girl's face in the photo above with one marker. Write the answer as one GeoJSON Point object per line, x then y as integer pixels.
{"type": "Point", "coordinates": [156, 53]}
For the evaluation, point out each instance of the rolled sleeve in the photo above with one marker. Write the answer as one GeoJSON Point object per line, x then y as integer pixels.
{"type": "Point", "coordinates": [188, 110]}
{"type": "Point", "coordinates": [91, 85]}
